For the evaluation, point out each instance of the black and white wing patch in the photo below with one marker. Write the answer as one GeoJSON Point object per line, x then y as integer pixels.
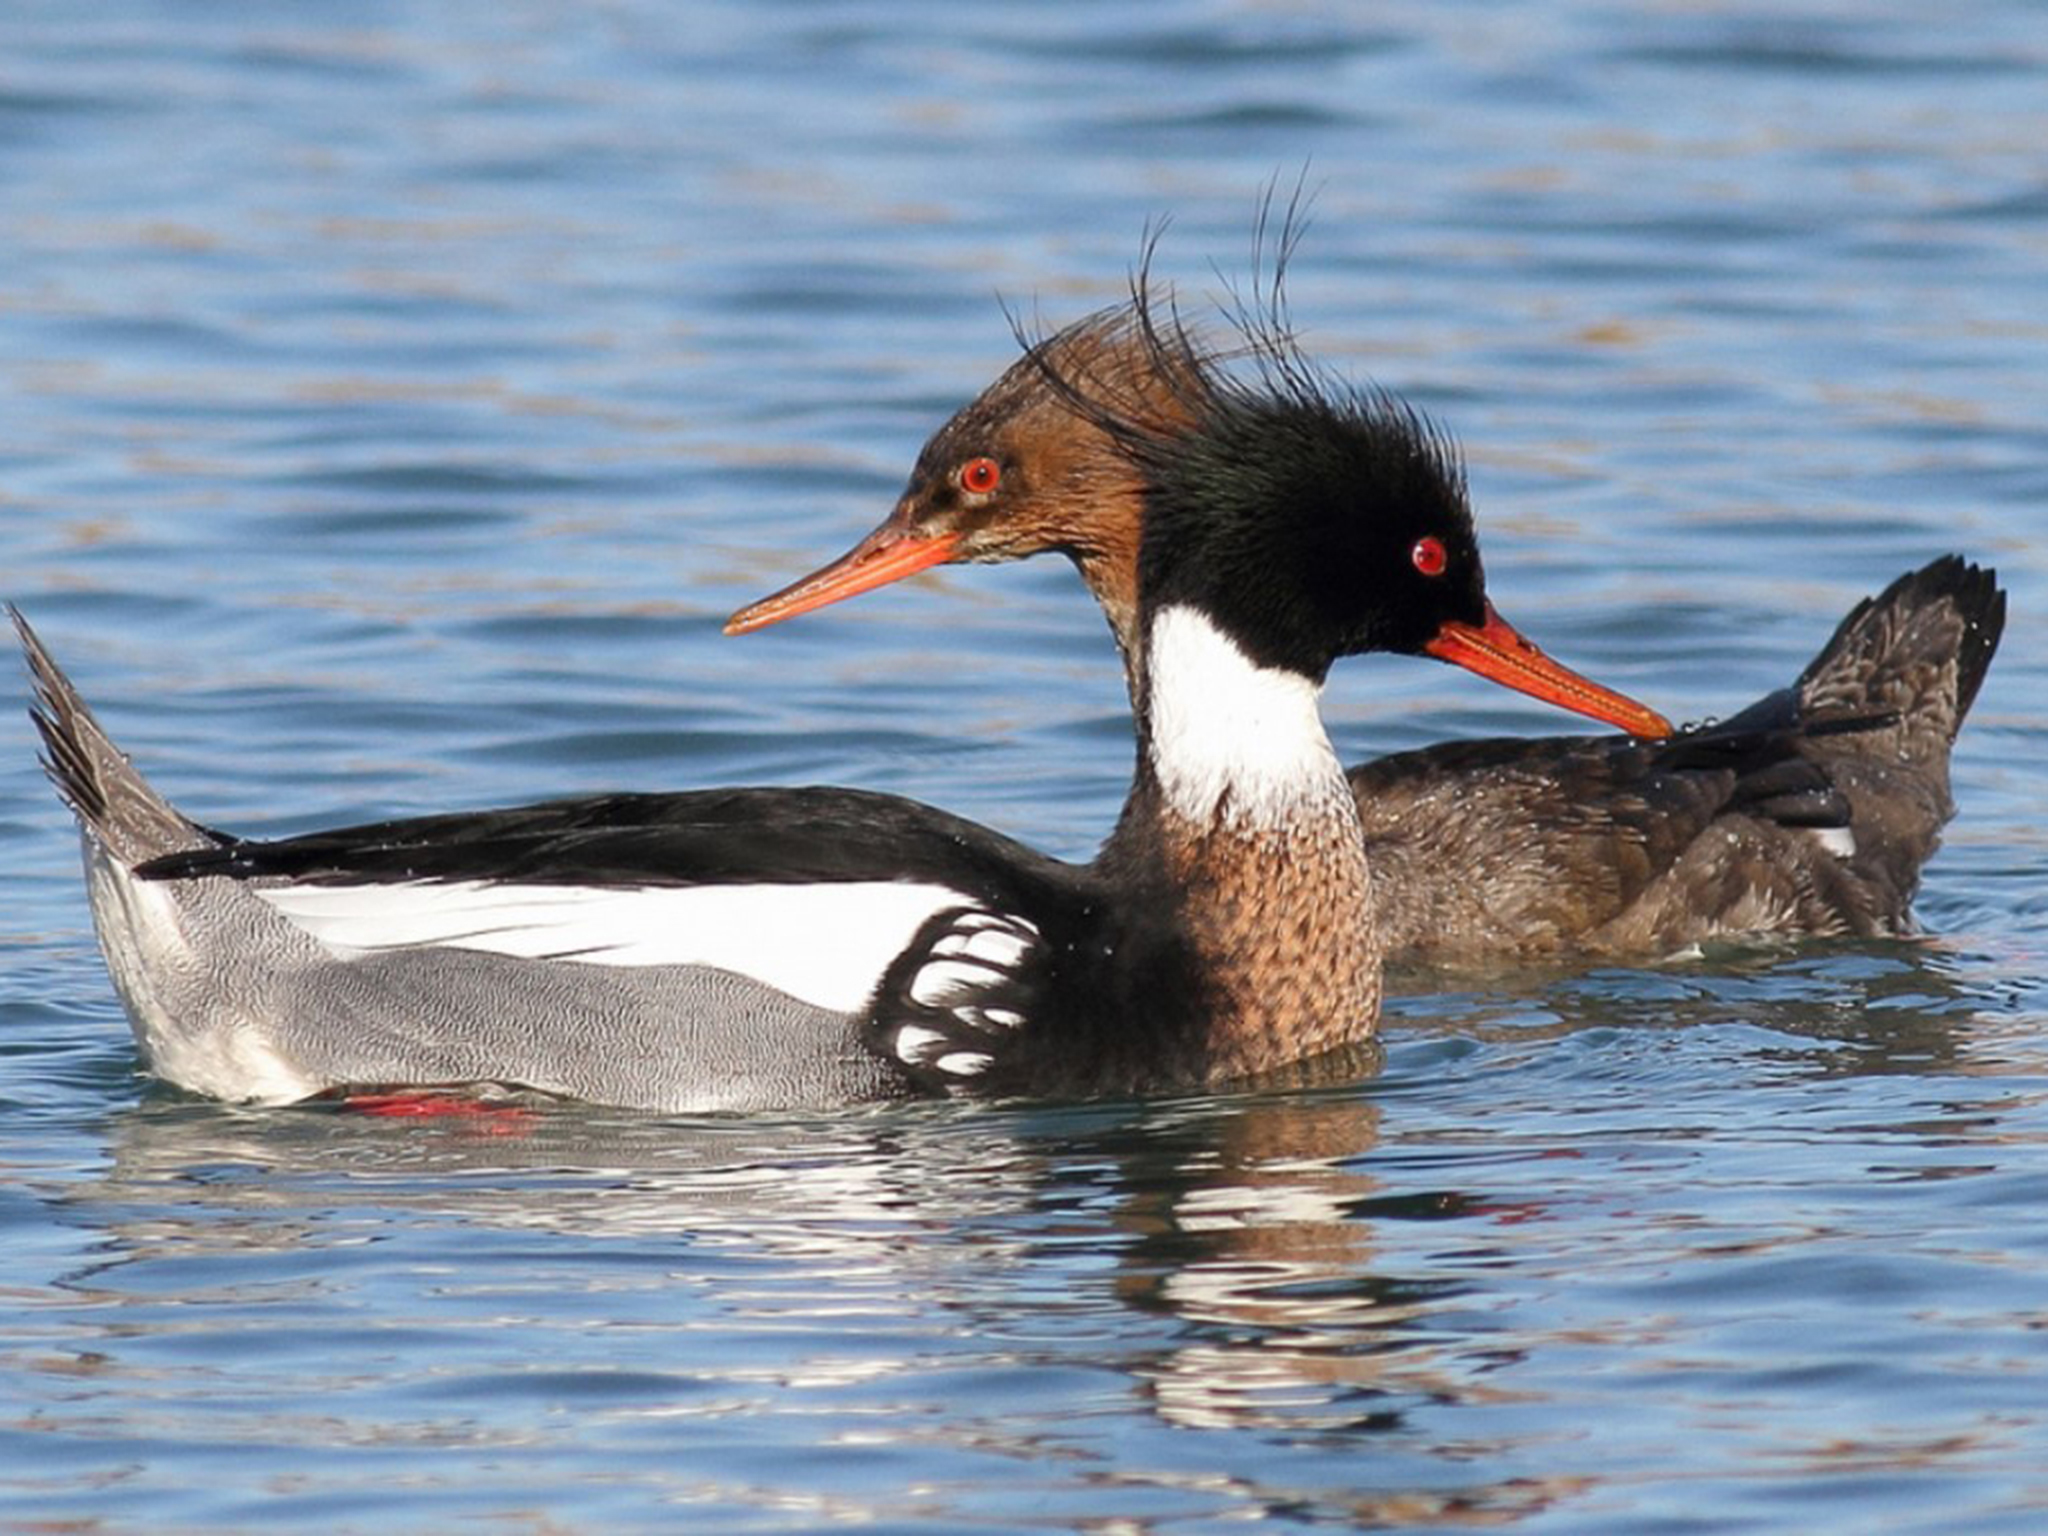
{"type": "Point", "coordinates": [955, 1008]}
{"type": "Point", "coordinates": [825, 942]}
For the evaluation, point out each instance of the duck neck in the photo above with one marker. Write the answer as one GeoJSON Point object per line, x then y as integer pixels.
{"type": "Point", "coordinates": [1112, 579]}
{"type": "Point", "coordinates": [1241, 810]}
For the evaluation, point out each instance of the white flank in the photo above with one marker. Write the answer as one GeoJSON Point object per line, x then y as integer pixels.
{"type": "Point", "coordinates": [1222, 725]}
{"type": "Point", "coordinates": [913, 1041]}
{"type": "Point", "coordinates": [938, 982]}
{"type": "Point", "coordinates": [826, 943]}
{"type": "Point", "coordinates": [997, 948]}
{"type": "Point", "coordinates": [981, 920]}
{"type": "Point", "coordinates": [1839, 841]}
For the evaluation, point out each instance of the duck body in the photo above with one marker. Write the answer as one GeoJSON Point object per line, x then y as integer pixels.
{"type": "Point", "coordinates": [1810, 813]}
{"type": "Point", "coordinates": [767, 948]}
{"type": "Point", "coordinates": [723, 950]}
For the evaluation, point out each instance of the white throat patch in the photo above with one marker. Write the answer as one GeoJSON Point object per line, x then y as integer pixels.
{"type": "Point", "coordinates": [1230, 737]}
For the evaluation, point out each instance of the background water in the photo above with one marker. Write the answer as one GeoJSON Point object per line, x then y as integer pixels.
{"type": "Point", "coordinates": [396, 397]}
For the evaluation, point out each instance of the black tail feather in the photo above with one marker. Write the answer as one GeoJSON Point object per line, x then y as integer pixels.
{"type": "Point", "coordinates": [1892, 653]}
{"type": "Point", "coordinates": [113, 802]}
{"type": "Point", "coordinates": [63, 721]}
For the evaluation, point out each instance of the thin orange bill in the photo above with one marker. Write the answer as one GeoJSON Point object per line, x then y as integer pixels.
{"type": "Point", "coordinates": [884, 556]}
{"type": "Point", "coordinates": [1497, 651]}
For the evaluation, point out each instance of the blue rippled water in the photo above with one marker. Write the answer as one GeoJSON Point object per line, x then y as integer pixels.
{"type": "Point", "coordinates": [395, 400]}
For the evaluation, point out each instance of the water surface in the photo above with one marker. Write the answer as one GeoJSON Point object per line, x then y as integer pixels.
{"type": "Point", "coordinates": [395, 403]}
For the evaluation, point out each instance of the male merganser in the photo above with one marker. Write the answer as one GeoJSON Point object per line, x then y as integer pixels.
{"type": "Point", "coordinates": [1809, 813]}
{"type": "Point", "coordinates": [735, 949]}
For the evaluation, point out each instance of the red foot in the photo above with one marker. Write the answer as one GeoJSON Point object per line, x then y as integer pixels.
{"type": "Point", "coordinates": [495, 1119]}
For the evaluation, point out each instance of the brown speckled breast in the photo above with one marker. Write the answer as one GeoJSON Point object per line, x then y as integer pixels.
{"type": "Point", "coordinates": [1282, 917]}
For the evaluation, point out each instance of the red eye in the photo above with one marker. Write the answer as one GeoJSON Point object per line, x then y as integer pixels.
{"type": "Point", "coordinates": [980, 476]}
{"type": "Point", "coordinates": [1429, 557]}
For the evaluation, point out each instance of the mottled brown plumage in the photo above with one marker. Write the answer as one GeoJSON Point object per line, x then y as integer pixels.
{"type": "Point", "coordinates": [1258, 903]}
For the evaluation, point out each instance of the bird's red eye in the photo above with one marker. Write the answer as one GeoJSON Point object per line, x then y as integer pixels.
{"type": "Point", "coordinates": [1428, 555]}
{"type": "Point", "coordinates": [980, 476]}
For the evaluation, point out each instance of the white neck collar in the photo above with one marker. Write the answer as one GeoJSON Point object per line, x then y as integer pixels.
{"type": "Point", "coordinates": [1231, 739]}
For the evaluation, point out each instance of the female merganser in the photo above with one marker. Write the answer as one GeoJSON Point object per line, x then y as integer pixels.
{"type": "Point", "coordinates": [1809, 813]}
{"type": "Point", "coordinates": [752, 948]}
